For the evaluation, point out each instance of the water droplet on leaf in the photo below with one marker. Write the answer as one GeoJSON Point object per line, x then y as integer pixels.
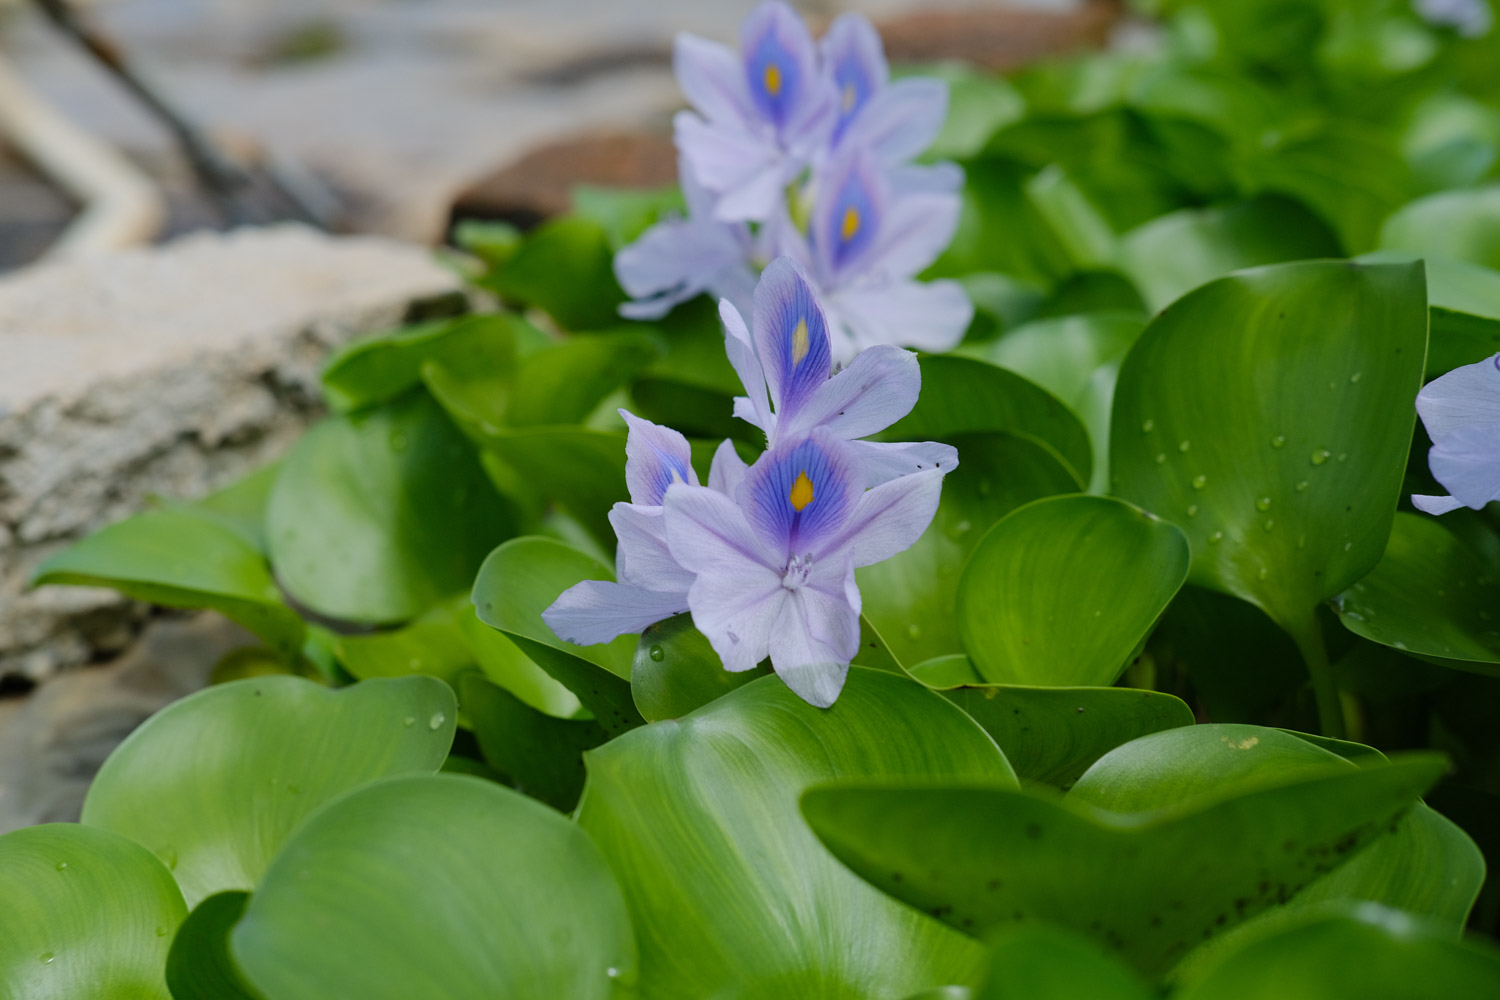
{"type": "Point", "coordinates": [438, 718]}
{"type": "Point", "coordinates": [1263, 504]}
{"type": "Point", "coordinates": [1320, 456]}
{"type": "Point", "coordinates": [1200, 481]}
{"type": "Point", "coordinates": [1147, 426]}
{"type": "Point", "coordinates": [657, 653]}
{"type": "Point", "coordinates": [1279, 441]}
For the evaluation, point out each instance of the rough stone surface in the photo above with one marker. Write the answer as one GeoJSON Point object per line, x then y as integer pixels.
{"type": "Point", "coordinates": [170, 372]}
{"type": "Point", "coordinates": [52, 743]}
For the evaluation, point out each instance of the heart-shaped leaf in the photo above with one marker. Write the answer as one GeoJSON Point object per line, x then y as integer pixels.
{"type": "Point", "coordinates": [199, 966]}
{"type": "Point", "coordinates": [565, 266]}
{"type": "Point", "coordinates": [1063, 591]}
{"type": "Point", "coordinates": [1430, 596]}
{"type": "Point", "coordinates": [87, 913]}
{"type": "Point", "coordinates": [216, 782]}
{"type": "Point", "coordinates": [727, 888]}
{"type": "Point", "coordinates": [911, 598]}
{"type": "Point", "coordinates": [445, 886]}
{"type": "Point", "coordinates": [540, 754]}
{"type": "Point", "coordinates": [676, 671]}
{"type": "Point", "coordinates": [565, 382]}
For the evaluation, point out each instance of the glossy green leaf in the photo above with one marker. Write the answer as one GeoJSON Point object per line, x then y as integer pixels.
{"type": "Point", "coordinates": [1360, 951]}
{"type": "Point", "coordinates": [625, 213]}
{"type": "Point", "coordinates": [565, 382]}
{"type": "Point", "coordinates": [446, 886]}
{"type": "Point", "coordinates": [994, 201]}
{"type": "Point", "coordinates": [431, 645]}
{"type": "Point", "coordinates": [728, 889]}
{"type": "Point", "coordinates": [1063, 591]}
{"type": "Point", "coordinates": [1269, 414]}
{"type": "Point", "coordinates": [502, 661]}
{"type": "Point", "coordinates": [540, 754]}
{"type": "Point", "coordinates": [582, 471]}
{"type": "Point", "coordinates": [516, 584]}
{"type": "Point", "coordinates": [566, 268]}
{"type": "Point", "coordinates": [676, 671]}
{"type": "Point", "coordinates": [1048, 963]}
{"type": "Point", "coordinates": [1000, 302]}
{"type": "Point", "coordinates": [962, 395]}
{"type": "Point", "coordinates": [240, 506]}
{"type": "Point", "coordinates": [379, 516]}
{"type": "Point", "coordinates": [86, 914]}
{"type": "Point", "coordinates": [1052, 735]}
{"type": "Point", "coordinates": [215, 783]}
{"type": "Point", "coordinates": [1462, 224]}
{"type": "Point", "coordinates": [1464, 304]}
{"type": "Point", "coordinates": [199, 966]}
{"type": "Point", "coordinates": [1084, 233]}
{"type": "Point", "coordinates": [182, 559]}
{"type": "Point", "coordinates": [911, 598]}
{"type": "Point", "coordinates": [978, 104]}
{"type": "Point", "coordinates": [1178, 252]}
{"type": "Point", "coordinates": [1150, 884]}
{"type": "Point", "coordinates": [1431, 596]}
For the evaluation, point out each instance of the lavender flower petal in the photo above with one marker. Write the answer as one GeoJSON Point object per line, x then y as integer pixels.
{"type": "Point", "coordinates": [1464, 397]}
{"type": "Point", "coordinates": [900, 121]}
{"type": "Point", "coordinates": [929, 317]}
{"type": "Point", "coordinates": [795, 497]}
{"type": "Point", "coordinates": [882, 461]}
{"type": "Point", "coordinates": [815, 637]}
{"type": "Point", "coordinates": [856, 59]}
{"type": "Point", "coordinates": [712, 78]}
{"type": "Point", "coordinates": [886, 520]}
{"type": "Point", "coordinates": [1467, 462]}
{"type": "Point", "coordinates": [727, 471]}
{"type": "Point", "coordinates": [655, 458]}
{"type": "Point", "coordinates": [596, 611]}
{"type": "Point", "coordinates": [879, 388]}
{"type": "Point", "coordinates": [790, 334]}
{"type": "Point", "coordinates": [642, 557]}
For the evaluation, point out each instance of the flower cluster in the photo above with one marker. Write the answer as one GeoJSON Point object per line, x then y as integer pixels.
{"type": "Point", "coordinates": [1461, 411]}
{"type": "Point", "coordinates": [801, 149]}
{"type": "Point", "coordinates": [764, 555]}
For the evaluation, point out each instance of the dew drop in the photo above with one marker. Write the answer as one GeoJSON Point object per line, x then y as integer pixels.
{"type": "Point", "coordinates": [1399, 644]}
{"type": "Point", "coordinates": [1192, 510]}
{"type": "Point", "coordinates": [1348, 546]}
{"type": "Point", "coordinates": [914, 631]}
{"type": "Point", "coordinates": [168, 857]}
{"type": "Point", "coordinates": [1269, 524]}
{"type": "Point", "coordinates": [1161, 458]}
{"type": "Point", "coordinates": [961, 527]}
{"type": "Point", "coordinates": [612, 972]}
{"type": "Point", "coordinates": [409, 721]}
{"type": "Point", "coordinates": [161, 932]}
{"type": "Point", "coordinates": [1184, 445]}
{"type": "Point", "coordinates": [1320, 456]}
{"type": "Point", "coordinates": [1279, 441]}
{"type": "Point", "coordinates": [438, 718]}
{"type": "Point", "coordinates": [1263, 504]}
{"type": "Point", "coordinates": [1147, 426]}
{"type": "Point", "coordinates": [657, 653]}
{"type": "Point", "coordinates": [1200, 481]}
{"type": "Point", "coordinates": [1263, 573]}
{"type": "Point", "coordinates": [62, 866]}
{"type": "Point", "coordinates": [1302, 484]}
{"type": "Point", "coordinates": [1216, 538]}
{"type": "Point", "coordinates": [1355, 377]}
{"type": "Point", "coordinates": [47, 957]}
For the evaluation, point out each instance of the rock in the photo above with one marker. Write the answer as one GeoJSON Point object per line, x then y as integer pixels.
{"type": "Point", "coordinates": [53, 742]}
{"type": "Point", "coordinates": [168, 371]}
{"type": "Point", "coordinates": [1001, 39]}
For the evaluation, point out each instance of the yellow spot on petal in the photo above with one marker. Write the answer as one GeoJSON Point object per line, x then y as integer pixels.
{"type": "Point", "coordinates": [850, 226]}
{"type": "Point", "coordinates": [848, 98]}
{"type": "Point", "coordinates": [802, 491]}
{"type": "Point", "coordinates": [773, 79]}
{"type": "Point", "coordinates": [800, 343]}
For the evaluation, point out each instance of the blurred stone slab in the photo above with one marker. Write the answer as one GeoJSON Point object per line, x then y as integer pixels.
{"type": "Point", "coordinates": [164, 371]}
{"type": "Point", "coordinates": [53, 742]}
{"type": "Point", "coordinates": [1002, 40]}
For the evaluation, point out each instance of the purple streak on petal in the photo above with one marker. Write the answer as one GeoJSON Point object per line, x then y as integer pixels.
{"type": "Point", "coordinates": [741, 351]}
{"type": "Point", "coordinates": [850, 217]}
{"type": "Point", "coordinates": [856, 59]}
{"type": "Point", "coordinates": [728, 470]}
{"type": "Point", "coordinates": [931, 316]}
{"type": "Point", "coordinates": [712, 78]}
{"type": "Point", "coordinates": [642, 557]}
{"type": "Point", "coordinates": [916, 229]}
{"type": "Point", "coordinates": [597, 611]}
{"type": "Point", "coordinates": [796, 496]}
{"type": "Point", "coordinates": [777, 66]}
{"type": "Point", "coordinates": [1434, 505]}
{"type": "Point", "coordinates": [901, 121]}
{"type": "Point", "coordinates": [705, 528]}
{"type": "Point", "coordinates": [878, 389]}
{"type": "Point", "coordinates": [815, 637]}
{"type": "Point", "coordinates": [882, 461]}
{"type": "Point", "coordinates": [1467, 462]}
{"type": "Point", "coordinates": [1463, 397]}
{"type": "Point", "coordinates": [790, 337]}
{"type": "Point", "coordinates": [886, 520]}
{"type": "Point", "coordinates": [655, 458]}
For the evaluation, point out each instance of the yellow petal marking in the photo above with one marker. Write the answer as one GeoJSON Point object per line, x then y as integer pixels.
{"type": "Point", "coordinates": [802, 491]}
{"type": "Point", "coordinates": [773, 79]}
{"type": "Point", "coordinates": [800, 344]}
{"type": "Point", "coordinates": [848, 98]}
{"type": "Point", "coordinates": [850, 225]}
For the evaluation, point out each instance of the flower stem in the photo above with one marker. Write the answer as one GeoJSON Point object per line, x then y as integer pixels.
{"type": "Point", "coordinates": [1309, 640]}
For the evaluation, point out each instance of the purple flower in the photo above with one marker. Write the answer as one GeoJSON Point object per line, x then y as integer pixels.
{"type": "Point", "coordinates": [678, 259]}
{"type": "Point", "coordinates": [894, 121]}
{"type": "Point", "coordinates": [1470, 18]}
{"type": "Point", "coordinates": [761, 114]}
{"type": "Point", "coordinates": [793, 388]}
{"type": "Point", "coordinates": [774, 563]}
{"type": "Point", "coordinates": [1461, 411]}
{"type": "Point", "coordinates": [872, 230]}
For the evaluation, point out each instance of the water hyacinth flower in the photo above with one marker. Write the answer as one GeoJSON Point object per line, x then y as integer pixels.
{"type": "Point", "coordinates": [760, 114]}
{"type": "Point", "coordinates": [1461, 411]}
{"type": "Point", "coordinates": [785, 362]}
{"type": "Point", "coordinates": [774, 564]}
{"type": "Point", "coordinates": [893, 121]}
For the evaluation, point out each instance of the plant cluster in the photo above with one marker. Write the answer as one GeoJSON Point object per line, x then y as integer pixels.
{"type": "Point", "coordinates": [1175, 687]}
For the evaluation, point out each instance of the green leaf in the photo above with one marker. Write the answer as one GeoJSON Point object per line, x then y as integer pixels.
{"type": "Point", "coordinates": [962, 395]}
{"type": "Point", "coordinates": [1063, 591]}
{"type": "Point", "coordinates": [1462, 224]}
{"type": "Point", "coordinates": [446, 886]}
{"type": "Point", "coordinates": [1464, 301]}
{"type": "Point", "coordinates": [1279, 440]}
{"type": "Point", "coordinates": [182, 559]}
{"type": "Point", "coordinates": [377, 517]}
{"type": "Point", "coordinates": [1431, 596]}
{"type": "Point", "coordinates": [215, 783]}
{"type": "Point", "coordinates": [1362, 951]}
{"type": "Point", "coordinates": [378, 369]}
{"type": "Point", "coordinates": [240, 506]}
{"type": "Point", "coordinates": [199, 966]}
{"type": "Point", "coordinates": [565, 267]}
{"type": "Point", "coordinates": [431, 645]}
{"type": "Point", "coordinates": [1085, 235]}
{"type": "Point", "coordinates": [911, 598]}
{"type": "Point", "coordinates": [565, 382]}
{"type": "Point", "coordinates": [625, 213]}
{"type": "Point", "coordinates": [1178, 252]}
{"type": "Point", "coordinates": [978, 104]}
{"type": "Point", "coordinates": [676, 671]}
{"type": "Point", "coordinates": [1150, 884]}
{"type": "Point", "coordinates": [1048, 963]}
{"type": "Point", "coordinates": [541, 754]}
{"type": "Point", "coordinates": [520, 580]}
{"type": "Point", "coordinates": [1052, 735]}
{"type": "Point", "coordinates": [502, 661]}
{"type": "Point", "coordinates": [727, 889]}
{"type": "Point", "coordinates": [582, 471]}
{"type": "Point", "coordinates": [87, 914]}
{"type": "Point", "coordinates": [994, 202]}
{"type": "Point", "coordinates": [1000, 302]}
